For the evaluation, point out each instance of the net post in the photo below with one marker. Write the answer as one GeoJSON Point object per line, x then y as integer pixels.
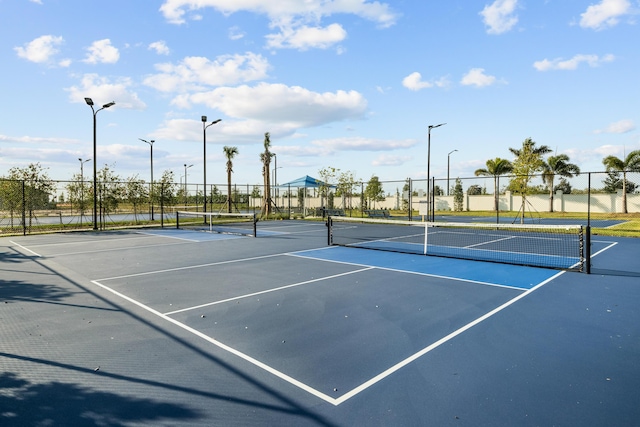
{"type": "Point", "coordinates": [329, 231]}
{"type": "Point", "coordinates": [587, 249]}
{"type": "Point", "coordinates": [255, 225]}
{"type": "Point", "coordinates": [177, 219]}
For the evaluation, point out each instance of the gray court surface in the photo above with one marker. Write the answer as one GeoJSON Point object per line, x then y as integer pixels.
{"type": "Point", "coordinates": [166, 327]}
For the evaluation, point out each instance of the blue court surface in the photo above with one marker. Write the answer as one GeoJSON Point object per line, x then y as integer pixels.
{"type": "Point", "coordinates": [171, 327]}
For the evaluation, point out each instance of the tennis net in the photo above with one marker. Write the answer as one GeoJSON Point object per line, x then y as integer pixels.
{"type": "Point", "coordinates": [244, 224]}
{"type": "Point", "coordinates": [551, 246]}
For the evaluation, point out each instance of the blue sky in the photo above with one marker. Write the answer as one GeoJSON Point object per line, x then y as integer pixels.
{"type": "Point", "coordinates": [350, 84]}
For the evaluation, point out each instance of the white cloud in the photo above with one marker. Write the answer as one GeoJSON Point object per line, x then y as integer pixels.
{"type": "Point", "coordinates": [235, 33]}
{"type": "Point", "coordinates": [328, 147]}
{"type": "Point", "coordinates": [292, 106]}
{"type": "Point", "coordinates": [41, 49]}
{"type": "Point", "coordinates": [571, 64]}
{"type": "Point", "coordinates": [174, 11]}
{"type": "Point", "coordinates": [414, 82]}
{"type": "Point", "coordinates": [101, 51]}
{"type": "Point", "coordinates": [622, 126]}
{"type": "Point", "coordinates": [477, 77]}
{"type": "Point", "coordinates": [387, 160]}
{"type": "Point", "coordinates": [195, 72]}
{"type": "Point", "coordinates": [604, 14]}
{"type": "Point", "coordinates": [160, 47]}
{"type": "Point", "coordinates": [103, 90]}
{"type": "Point", "coordinates": [500, 16]}
{"type": "Point", "coordinates": [305, 37]}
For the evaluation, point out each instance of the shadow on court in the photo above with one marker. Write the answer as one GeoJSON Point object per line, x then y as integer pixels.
{"type": "Point", "coordinates": [77, 399]}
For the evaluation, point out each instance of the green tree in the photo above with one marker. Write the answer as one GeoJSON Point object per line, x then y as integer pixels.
{"type": "Point", "coordinates": [527, 163]}
{"type": "Point", "coordinates": [631, 163]}
{"type": "Point", "coordinates": [110, 189]}
{"type": "Point", "coordinates": [229, 153]}
{"type": "Point", "coordinates": [613, 183]}
{"type": "Point", "coordinates": [557, 165]}
{"type": "Point", "coordinates": [346, 185]}
{"type": "Point", "coordinates": [495, 168]}
{"type": "Point", "coordinates": [37, 188]}
{"type": "Point", "coordinates": [135, 192]}
{"type": "Point", "coordinates": [458, 196]}
{"type": "Point", "coordinates": [327, 178]}
{"type": "Point", "coordinates": [167, 188]}
{"type": "Point", "coordinates": [265, 158]}
{"type": "Point", "coordinates": [564, 186]}
{"type": "Point", "coordinates": [474, 190]}
{"type": "Point", "coordinates": [374, 191]}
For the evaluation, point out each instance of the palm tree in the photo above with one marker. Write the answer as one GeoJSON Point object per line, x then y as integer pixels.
{"type": "Point", "coordinates": [265, 158]}
{"type": "Point", "coordinates": [528, 161]}
{"type": "Point", "coordinates": [630, 164]}
{"type": "Point", "coordinates": [495, 168]}
{"type": "Point", "coordinates": [557, 165]}
{"type": "Point", "coordinates": [229, 153]}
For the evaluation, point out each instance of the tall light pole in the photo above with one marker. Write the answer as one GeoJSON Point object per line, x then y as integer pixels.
{"type": "Point", "coordinates": [429, 207]}
{"type": "Point", "coordinates": [151, 184]}
{"type": "Point", "coordinates": [89, 102]}
{"type": "Point", "coordinates": [448, 163]}
{"type": "Point", "coordinates": [185, 184]}
{"type": "Point", "coordinates": [82, 162]}
{"type": "Point", "coordinates": [204, 137]}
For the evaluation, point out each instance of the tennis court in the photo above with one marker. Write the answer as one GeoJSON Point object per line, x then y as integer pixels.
{"type": "Point", "coordinates": [181, 327]}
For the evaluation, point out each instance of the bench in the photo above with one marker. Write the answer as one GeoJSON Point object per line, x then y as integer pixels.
{"type": "Point", "coordinates": [377, 213]}
{"type": "Point", "coordinates": [333, 212]}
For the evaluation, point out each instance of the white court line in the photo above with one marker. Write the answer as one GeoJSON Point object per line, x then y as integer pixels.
{"type": "Point", "coordinates": [80, 242]}
{"type": "Point", "coordinates": [355, 391]}
{"type": "Point", "coordinates": [210, 264]}
{"type": "Point", "coordinates": [126, 248]}
{"type": "Point", "coordinates": [417, 273]}
{"type": "Point", "coordinates": [437, 344]}
{"type": "Point", "coordinates": [225, 347]}
{"type": "Point", "coordinates": [293, 285]}
{"type": "Point", "coordinates": [25, 248]}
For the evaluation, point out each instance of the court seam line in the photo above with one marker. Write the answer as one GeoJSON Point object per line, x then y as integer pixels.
{"type": "Point", "coordinates": [116, 249]}
{"type": "Point", "coordinates": [292, 285]}
{"type": "Point", "coordinates": [87, 241]}
{"type": "Point", "coordinates": [223, 346]}
{"type": "Point", "coordinates": [418, 273]}
{"type": "Point", "coordinates": [193, 266]}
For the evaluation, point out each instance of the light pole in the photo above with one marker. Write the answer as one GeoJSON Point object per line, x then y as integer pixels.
{"type": "Point", "coordinates": [429, 207]}
{"type": "Point", "coordinates": [448, 162]}
{"type": "Point", "coordinates": [89, 102]}
{"type": "Point", "coordinates": [82, 162]}
{"type": "Point", "coordinates": [204, 137]}
{"type": "Point", "coordinates": [151, 184]}
{"type": "Point", "coordinates": [185, 184]}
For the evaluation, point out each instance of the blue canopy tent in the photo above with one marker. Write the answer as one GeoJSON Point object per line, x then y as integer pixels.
{"type": "Point", "coordinates": [304, 182]}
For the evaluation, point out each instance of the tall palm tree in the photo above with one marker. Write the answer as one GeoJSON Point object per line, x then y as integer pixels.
{"type": "Point", "coordinates": [495, 168]}
{"type": "Point", "coordinates": [557, 165]}
{"type": "Point", "coordinates": [229, 153]}
{"type": "Point", "coordinates": [631, 163]}
{"type": "Point", "coordinates": [265, 158]}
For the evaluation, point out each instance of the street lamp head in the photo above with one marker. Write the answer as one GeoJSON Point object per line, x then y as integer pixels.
{"type": "Point", "coordinates": [89, 101]}
{"type": "Point", "coordinates": [216, 121]}
{"type": "Point", "coordinates": [204, 119]}
{"type": "Point", "coordinates": [436, 126]}
{"type": "Point", "coordinates": [109, 104]}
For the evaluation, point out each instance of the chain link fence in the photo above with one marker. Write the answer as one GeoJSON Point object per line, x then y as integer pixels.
{"type": "Point", "coordinates": [600, 199]}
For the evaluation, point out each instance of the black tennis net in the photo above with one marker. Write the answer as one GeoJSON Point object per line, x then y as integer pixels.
{"type": "Point", "coordinates": [551, 246]}
{"type": "Point", "coordinates": [244, 224]}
